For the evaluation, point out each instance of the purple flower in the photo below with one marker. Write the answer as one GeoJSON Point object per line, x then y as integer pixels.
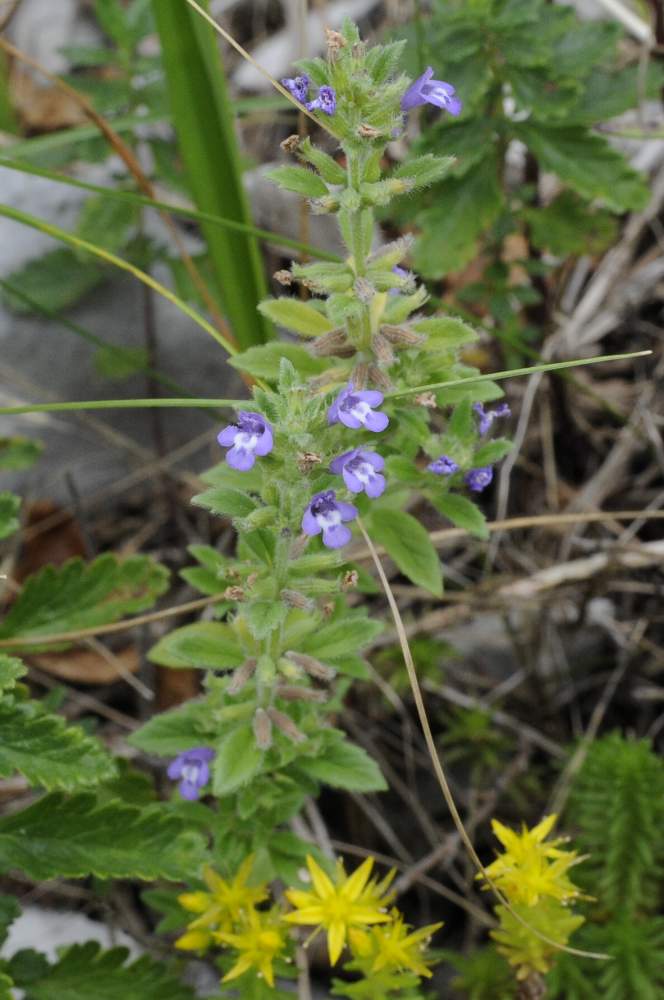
{"type": "Point", "coordinates": [400, 272]}
{"type": "Point", "coordinates": [325, 513]}
{"type": "Point", "coordinates": [478, 479]}
{"type": "Point", "coordinates": [192, 767]}
{"type": "Point", "coordinates": [487, 417]}
{"type": "Point", "coordinates": [298, 86]}
{"type": "Point", "coordinates": [251, 436]}
{"type": "Point", "coordinates": [443, 466]}
{"type": "Point", "coordinates": [355, 409]}
{"type": "Point", "coordinates": [425, 90]}
{"type": "Point", "coordinates": [326, 101]}
{"type": "Point", "coordinates": [361, 471]}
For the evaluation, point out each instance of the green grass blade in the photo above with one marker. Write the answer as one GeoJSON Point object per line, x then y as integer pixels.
{"type": "Point", "coordinates": [188, 213]}
{"type": "Point", "coordinates": [204, 121]}
{"type": "Point", "coordinates": [555, 366]}
{"type": "Point", "coordinates": [122, 404]}
{"type": "Point", "coordinates": [110, 258]}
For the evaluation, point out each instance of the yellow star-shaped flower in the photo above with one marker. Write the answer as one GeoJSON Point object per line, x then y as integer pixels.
{"type": "Point", "coordinates": [259, 942]}
{"type": "Point", "coordinates": [348, 901]}
{"type": "Point", "coordinates": [220, 908]}
{"type": "Point", "coordinates": [392, 947]}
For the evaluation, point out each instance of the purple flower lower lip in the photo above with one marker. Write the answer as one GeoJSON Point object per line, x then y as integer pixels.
{"type": "Point", "coordinates": [192, 767]}
{"type": "Point", "coordinates": [361, 471]}
{"type": "Point", "coordinates": [355, 409]}
{"type": "Point", "coordinates": [325, 513]}
{"type": "Point", "coordinates": [443, 466]}
{"type": "Point", "coordinates": [249, 437]}
{"type": "Point", "coordinates": [426, 90]}
{"type": "Point", "coordinates": [478, 479]}
{"type": "Point", "coordinates": [487, 417]}
{"type": "Point", "coordinates": [298, 86]}
{"type": "Point", "coordinates": [326, 101]}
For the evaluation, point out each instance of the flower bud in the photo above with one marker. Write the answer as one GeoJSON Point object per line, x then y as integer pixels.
{"type": "Point", "coordinates": [335, 41]}
{"type": "Point", "coordinates": [360, 375]}
{"type": "Point", "coordinates": [367, 131]}
{"type": "Point", "coordinates": [286, 725]}
{"type": "Point", "coordinates": [283, 277]}
{"type": "Point", "coordinates": [379, 379]}
{"type": "Point", "coordinates": [364, 290]}
{"type": "Point", "coordinates": [401, 336]}
{"type": "Point", "coordinates": [382, 349]}
{"type": "Point", "coordinates": [307, 460]}
{"type": "Point", "coordinates": [242, 676]}
{"type": "Point", "coordinates": [319, 671]}
{"type": "Point", "coordinates": [290, 692]}
{"type": "Point", "coordinates": [325, 205]}
{"type": "Point", "coordinates": [234, 593]}
{"type": "Point", "coordinates": [350, 579]}
{"type": "Point", "coordinates": [332, 342]}
{"type": "Point", "coordinates": [296, 600]}
{"type": "Point", "coordinates": [266, 670]}
{"type": "Point", "coordinates": [290, 144]}
{"type": "Point", "coordinates": [262, 729]}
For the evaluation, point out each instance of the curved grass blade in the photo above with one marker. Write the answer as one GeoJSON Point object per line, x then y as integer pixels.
{"type": "Point", "coordinates": [122, 404]}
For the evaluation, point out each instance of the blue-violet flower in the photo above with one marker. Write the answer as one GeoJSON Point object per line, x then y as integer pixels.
{"type": "Point", "coordinates": [325, 513]}
{"type": "Point", "coordinates": [361, 471]}
{"type": "Point", "coordinates": [249, 437]}
{"type": "Point", "coordinates": [487, 417]}
{"type": "Point", "coordinates": [354, 408]}
{"type": "Point", "coordinates": [192, 767]}
{"type": "Point", "coordinates": [400, 272]}
{"type": "Point", "coordinates": [326, 101]}
{"type": "Point", "coordinates": [426, 90]}
{"type": "Point", "coordinates": [443, 466]}
{"type": "Point", "coordinates": [298, 86]}
{"type": "Point", "coordinates": [478, 479]}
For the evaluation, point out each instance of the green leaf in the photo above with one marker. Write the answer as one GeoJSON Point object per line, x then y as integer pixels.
{"type": "Point", "coordinates": [341, 638]}
{"type": "Point", "coordinates": [57, 280]}
{"type": "Point", "coordinates": [206, 645]}
{"type": "Point", "coordinates": [461, 211]}
{"type": "Point", "coordinates": [587, 163]}
{"type": "Point", "coordinates": [84, 970]}
{"type": "Point", "coordinates": [344, 765]}
{"type": "Point", "coordinates": [492, 452]}
{"type": "Point", "coordinates": [409, 545]}
{"type": "Point", "coordinates": [9, 911]}
{"type": "Point", "coordinates": [79, 595]}
{"type": "Point", "coordinates": [263, 617]}
{"type": "Point", "coordinates": [73, 837]}
{"type": "Point", "coordinates": [238, 760]}
{"type": "Point", "coordinates": [569, 226]}
{"type": "Point", "coordinates": [445, 332]}
{"type": "Point", "coordinates": [47, 751]}
{"type": "Point", "coordinates": [425, 170]}
{"type": "Point", "coordinates": [11, 669]}
{"type": "Point", "coordinates": [181, 728]}
{"type": "Point", "coordinates": [327, 167]}
{"type": "Point", "coordinates": [264, 362]}
{"type": "Point", "coordinates": [300, 180]}
{"type": "Point", "coordinates": [10, 505]}
{"type": "Point", "coordinates": [297, 316]}
{"type": "Point", "coordinates": [107, 222]}
{"type": "Point", "coordinates": [18, 453]}
{"type": "Point", "coordinates": [462, 512]}
{"type": "Point", "coordinates": [112, 18]}
{"type": "Point", "coordinates": [225, 502]}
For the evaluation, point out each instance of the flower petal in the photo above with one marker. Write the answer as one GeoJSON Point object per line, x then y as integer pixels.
{"type": "Point", "coordinates": [336, 939]}
{"type": "Point", "coordinates": [226, 438]}
{"type": "Point", "coordinates": [241, 459]}
{"type": "Point", "coordinates": [320, 880]}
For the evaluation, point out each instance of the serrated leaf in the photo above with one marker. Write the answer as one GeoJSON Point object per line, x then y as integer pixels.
{"type": "Point", "coordinates": [445, 332]}
{"type": "Point", "coordinates": [492, 452]}
{"type": "Point", "coordinates": [79, 595]}
{"type": "Point", "coordinates": [341, 638]}
{"type": "Point", "coordinates": [409, 545]}
{"type": "Point", "coordinates": [10, 505]}
{"type": "Point", "coordinates": [462, 210]}
{"type": "Point", "coordinates": [11, 669]}
{"type": "Point", "coordinates": [73, 837]}
{"type": "Point", "coordinates": [225, 502]}
{"type": "Point", "coordinates": [264, 361]}
{"type": "Point", "coordinates": [327, 167]}
{"type": "Point", "coordinates": [48, 752]}
{"type": "Point", "coordinates": [299, 180]}
{"type": "Point", "coordinates": [587, 163]}
{"type": "Point", "coordinates": [344, 765]}
{"type": "Point", "coordinates": [181, 728]}
{"type": "Point", "coordinates": [205, 645]}
{"type": "Point", "coordinates": [569, 226]}
{"type": "Point", "coordinates": [18, 453]}
{"type": "Point", "coordinates": [238, 760]}
{"type": "Point", "coordinates": [463, 513]}
{"type": "Point", "coordinates": [56, 281]}
{"type": "Point", "coordinates": [426, 170]}
{"type": "Point", "coordinates": [263, 617]}
{"type": "Point", "coordinates": [462, 422]}
{"type": "Point", "coordinates": [295, 315]}
{"type": "Point", "coordinates": [85, 970]}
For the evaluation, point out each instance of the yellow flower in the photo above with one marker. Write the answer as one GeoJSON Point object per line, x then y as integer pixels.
{"type": "Point", "coordinates": [530, 867]}
{"type": "Point", "coordinates": [392, 947]}
{"type": "Point", "coordinates": [349, 901]}
{"type": "Point", "coordinates": [528, 952]}
{"type": "Point", "coordinates": [258, 943]}
{"type": "Point", "coordinates": [220, 908]}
